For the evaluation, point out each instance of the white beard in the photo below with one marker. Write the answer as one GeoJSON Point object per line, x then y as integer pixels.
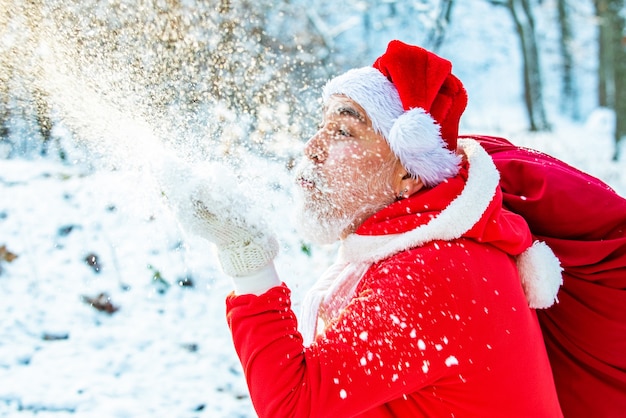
{"type": "Point", "coordinates": [316, 221]}
{"type": "Point", "coordinates": [325, 214]}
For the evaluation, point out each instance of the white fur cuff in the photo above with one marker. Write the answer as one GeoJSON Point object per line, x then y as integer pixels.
{"type": "Point", "coordinates": [258, 282]}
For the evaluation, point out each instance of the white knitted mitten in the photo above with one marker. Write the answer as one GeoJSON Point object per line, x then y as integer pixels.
{"type": "Point", "coordinates": [208, 202]}
{"type": "Point", "coordinates": [242, 249]}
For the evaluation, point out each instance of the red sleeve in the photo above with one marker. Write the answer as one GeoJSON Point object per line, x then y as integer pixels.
{"type": "Point", "coordinates": [375, 352]}
{"type": "Point", "coordinates": [264, 330]}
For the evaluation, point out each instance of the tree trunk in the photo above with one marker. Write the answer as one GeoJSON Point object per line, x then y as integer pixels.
{"type": "Point", "coordinates": [442, 22]}
{"type": "Point", "coordinates": [5, 114]}
{"type": "Point", "coordinates": [612, 63]}
{"type": "Point", "coordinates": [569, 92]}
{"type": "Point", "coordinates": [606, 86]}
{"type": "Point", "coordinates": [525, 25]}
{"type": "Point", "coordinates": [6, 70]}
{"type": "Point", "coordinates": [620, 94]}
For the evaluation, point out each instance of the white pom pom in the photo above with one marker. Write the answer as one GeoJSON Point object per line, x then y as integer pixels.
{"type": "Point", "coordinates": [417, 131]}
{"type": "Point", "coordinates": [415, 139]}
{"type": "Point", "coordinates": [540, 274]}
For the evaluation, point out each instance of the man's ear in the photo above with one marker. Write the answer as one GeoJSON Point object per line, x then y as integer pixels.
{"type": "Point", "coordinates": [408, 186]}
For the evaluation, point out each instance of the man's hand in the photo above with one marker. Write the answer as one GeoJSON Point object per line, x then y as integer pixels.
{"type": "Point", "coordinates": [242, 249]}
{"type": "Point", "coordinates": [208, 202]}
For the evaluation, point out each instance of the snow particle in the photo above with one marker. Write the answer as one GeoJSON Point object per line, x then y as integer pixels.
{"type": "Point", "coordinates": [421, 344]}
{"type": "Point", "coordinates": [452, 361]}
{"type": "Point", "coordinates": [343, 394]}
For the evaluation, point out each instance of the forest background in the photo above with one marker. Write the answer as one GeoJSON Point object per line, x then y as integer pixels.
{"type": "Point", "coordinates": [109, 309]}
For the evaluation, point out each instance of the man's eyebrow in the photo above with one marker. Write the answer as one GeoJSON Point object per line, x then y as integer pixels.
{"type": "Point", "coordinates": [350, 111]}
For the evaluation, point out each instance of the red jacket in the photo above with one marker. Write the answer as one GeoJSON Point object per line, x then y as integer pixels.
{"type": "Point", "coordinates": [437, 326]}
{"type": "Point", "coordinates": [584, 222]}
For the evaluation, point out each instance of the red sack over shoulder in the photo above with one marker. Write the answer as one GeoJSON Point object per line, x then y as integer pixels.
{"type": "Point", "coordinates": [584, 222]}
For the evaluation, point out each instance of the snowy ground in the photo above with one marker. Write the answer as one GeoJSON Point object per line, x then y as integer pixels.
{"type": "Point", "coordinates": [165, 351]}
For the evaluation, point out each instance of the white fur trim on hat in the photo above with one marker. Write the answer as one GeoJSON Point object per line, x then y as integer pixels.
{"type": "Point", "coordinates": [369, 88]}
{"type": "Point", "coordinates": [415, 139]}
{"type": "Point", "coordinates": [540, 274]}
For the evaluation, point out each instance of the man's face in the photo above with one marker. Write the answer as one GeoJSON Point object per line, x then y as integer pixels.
{"type": "Point", "coordinates": [347, 174]}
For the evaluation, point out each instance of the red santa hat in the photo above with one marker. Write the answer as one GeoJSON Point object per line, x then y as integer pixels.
{"type": "Point", "coordinates": [415, 102]}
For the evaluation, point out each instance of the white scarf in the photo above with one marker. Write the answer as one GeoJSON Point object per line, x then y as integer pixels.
{"type": "Point", "coordinates": [330, 294]}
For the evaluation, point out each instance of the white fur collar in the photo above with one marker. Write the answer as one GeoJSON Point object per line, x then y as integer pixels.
{"type": "Point", "coordinates": [459, 217]}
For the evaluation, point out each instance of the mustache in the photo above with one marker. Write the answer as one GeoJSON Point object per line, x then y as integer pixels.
{"type": "Point", "coordinates": [307, 172]}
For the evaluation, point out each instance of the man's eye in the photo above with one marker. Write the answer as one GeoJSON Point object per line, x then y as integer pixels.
{"type": "Point", "coordinates": [343, 132]}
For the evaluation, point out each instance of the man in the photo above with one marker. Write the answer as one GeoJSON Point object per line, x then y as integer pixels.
{"type": "Point", "coordinates": [423, 313]}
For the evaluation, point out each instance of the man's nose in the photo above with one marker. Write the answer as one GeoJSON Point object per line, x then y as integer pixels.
{"type": "Point", "coordinates": [315, 148]}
